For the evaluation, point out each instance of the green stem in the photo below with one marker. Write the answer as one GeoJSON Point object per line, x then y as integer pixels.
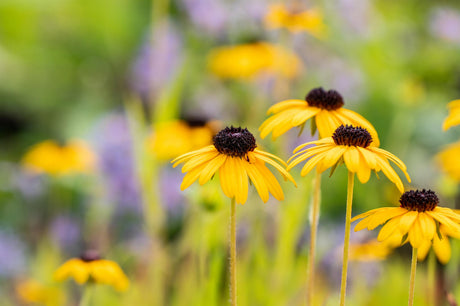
{"type": "Point", "coordinates": [346, 239]}
{"type": "Point", "coordinates": [86, 297]}
{"type": "Point", "coordinates": [413, 268]}
{"type": "Point", "coordinates": [313, 233]}
{"type": "Point", "coordinates": [233, 253]}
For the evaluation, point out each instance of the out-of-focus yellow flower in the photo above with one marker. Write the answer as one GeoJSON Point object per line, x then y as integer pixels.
{"type": "Point", "coordinates": [250, 60]}
{"type": "Point", "coordinates": [449, 161]}
{"type": "Point", "coordinates": [454, 115]}
{"type": "Point", "coordinates": [370, 251]}
{"type": "Point", "coordinates": [51, 158]}
{"type": "Point", "coordinates": [441, 245]}
{"type": "Point", "coordinates": [31, 291]}
{"type": "Point", "coordinates": [90, 268]}
{"type": "Point", "coordinates": [311, 21]}
{"type": "Point", "coordinates": [170, 139]}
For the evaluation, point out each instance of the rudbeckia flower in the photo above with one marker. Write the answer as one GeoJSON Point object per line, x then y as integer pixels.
{"type": "Point", "coordinates": [251, 60]}
{"type": "Point", "coordinates": [280, 16]}
{"type": "Point", "coordinates": [449, 161]}
{"type": "Point", "coordinates": [325, 110]}
{"type": "Point", "coordinates": [51, 158]}
{"type": "Point", "coordinates": [352, 146]}
{"type": "Point", "coordinates": [188, 135]}
{"type": "Point", "coordinates": [235, 155]}
{"type": "Point", "coordinates": [454, 115]}
{"type": "Point", "coordinates": [415, 220]}
{"type": "Point", "coordinates": [90, 268]}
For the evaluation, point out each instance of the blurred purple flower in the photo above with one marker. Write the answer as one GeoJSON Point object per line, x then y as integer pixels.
{"type": "Point", "coordinates": [65, 231]}
{"type": "Point", "coordinates": [171, 196]}
{"type": "Point", "coordinates": [357, 15]}
{"type": "Point", "coordinates": [157, 61]}
{"type": "Point", "coordinates": [116, 162]}
{"type": "Point", "coordinates": [12, 255]}
{"type": "Point", "coordinates": [445, 24]}
{"type": "Point", "coordinates": [209, 15]}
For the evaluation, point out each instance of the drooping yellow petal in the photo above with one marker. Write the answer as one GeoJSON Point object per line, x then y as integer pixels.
{"type": "Point", "coordinates": [331, 157]}
{"type": "Point", "coordinates": [272, 184]}
{"type": "Point", "coordinates": [442, 248]}
{"type": "Point", "coordinates": [304, 115]}
{"type": "Point", "coordinates": [271, 156]}
{"type": "Point", "coordinates": [192, 176]}
{"type": "Point", "coordinates": [210, 169]}
{"type": "Point", "coordinates": [351, 158]}
{"type": "Point", "coordinates": [415, 234]}
{"type": "Point", "coordinates": [277, 166]}
{"type": "Point", "coordinates": [428, 226]}
{"type": "Point", "coordinates": [275, 121]}
{"type": "Point", "coordinates": [258, 180]}
{"type": "Point", "coordinates": [198, 160]}
{"type": "Point", "coordinates": [389, 172]}
{"type": "Point", "coordinates": [369, 157]}
{"type": "Point", "coordinates": [407, 220]}
{"type": "Point", "coordinates": [394, 159]}
{"type": "Point", "coordinates": [389, 228]}
{"type": "Point", "coordinates": [188, 155]}
{"type": "Point", "coordinates": [302, 157]}
{"type": "Point", "coordinates": [326, 123]}
{"type": "Point", "coordinates": [383, 215]}
{"type": "Point", "coordinates": [423, 249]}
{"type": "Point", "coordinates": [242, 178]}
{"type": "Point", "coordinates": [322, 141]}
{"type": "Point", "coordinates": [311, 163]}
{"type": "Point", "coordinates": [225, 176]}
{"type": "Point", "coordinates": [444, 220]}
{"type": "Point", "coordinates": [308, 152]}
{"type": "Point", "coordinates": [364, 172]}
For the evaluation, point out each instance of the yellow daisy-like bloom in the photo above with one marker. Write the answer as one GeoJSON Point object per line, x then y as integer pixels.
{"type": "Point", "coordinates": [90, 267]}
{"type": "Point", "coordinates": [369, 251]}
{"type": "Point", "coordinates": [235, 156]}
{"type": "Point", "coordinates": [416, 221]}
{"type": "Point", "coordinates": [188, 135]}
{"type": "Point", "coordinates": [311, 21]}
{"type": "Point", "coordinates": [449, 161]}
{"type": "Point", "coordinates": [51, 158]}
{"type": "Point", "coordinates": [454, 115]}
{"type": "Point", "coordinates": [323, 107]}
{"type": "Point", "coordinates": [31, 291]}
{"type": "Point", "coordinates": [349, 145]}
{"type": "Point", "coordinates": [251, 60]}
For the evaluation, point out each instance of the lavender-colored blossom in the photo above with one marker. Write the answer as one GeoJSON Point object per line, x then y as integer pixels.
{"type": "Point", "coordinates": [209, 15]}
{"type": "Point", "coordinates": [157, 62]}
{"type": "Point", "coordinates": [65, 231]}
{"type": "Point", "coordinates": [116, 162]}
{"type": "Point", "coordinates": [357, 15]}
{"type": "Point", "coordinates": [172, 197]}
{"type": "Point", "coordinates": [12, 255]}
{"type": "Point", "coordinates": [445, 24]}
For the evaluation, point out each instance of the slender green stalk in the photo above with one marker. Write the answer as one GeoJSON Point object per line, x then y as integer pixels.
{"type": "Point", "coordinates": [233, 253]}
{"type": "Point", "coordinates": [86, 297]}
{"type": "Point", "coordinates": [413, 268]}
{"type": "Point", "coordinates": [432, 279]}
{"type": "Point", "coordinates": [313, 233]}
{"type": "Point", "coordinates": [346, 239]}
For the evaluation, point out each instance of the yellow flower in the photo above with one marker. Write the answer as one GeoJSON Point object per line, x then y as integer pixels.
{"type": "Point", "coordinates": [416, 221]}
{"type": "Point", "coordinates": [449, 160]}
{"type": "Point", "coordinates": [31, 291]}
{"type": "Point", "coordinates": [251, 60]}
{"type": "Point", "coordinates": [454, 115]}
{"type": "Point", "coordinates": [349, 145]}
{"type": "Point", "coordinates": [324, 107]}
{"type": "Point", "coordinates": [51, 158]}
{"type": "Point", "coordinates": [369, 251]}
{"type": "Point", "coordinates": [311, 21]}
{"type": "Point", "coordinates": [235, 155]}
{"type": "Point", "coordinates": [90, 268]}
{"type": "Point", "coordinates": [187, 136]}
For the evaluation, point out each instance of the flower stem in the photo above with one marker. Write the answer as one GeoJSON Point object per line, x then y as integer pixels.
{"type": "Point", "coordinates": [86, 296]}
{"type": "Point", "coordinates": [313, 232]}
{"type": "Point", "coordinates": [233, 253]}
{"type": "Point", "coordinates": [346, 239]}
{"type": "Point", "coordinates": [413, 268]}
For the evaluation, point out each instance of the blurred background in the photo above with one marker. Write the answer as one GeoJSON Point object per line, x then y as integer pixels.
{"type": "Point", "coordinates": [97, 97]}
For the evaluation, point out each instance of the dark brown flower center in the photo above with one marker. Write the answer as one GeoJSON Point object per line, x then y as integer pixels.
{"type": "Point", "coordinates": [235, 142]}
{"type": "Point", "coordinates": [329, 100]}
{"type": "Point", "coordinates": [348, 135]}
{"type": "Point", "coordinates": [90, 255]}
{"type": "Point", "coordinates": [419, 200]}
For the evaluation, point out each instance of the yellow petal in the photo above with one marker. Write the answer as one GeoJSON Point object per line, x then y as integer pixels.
{"type": "Point", "coordinates": [423, 249]}
{"type": "Point", "coordinates": [275, 121]}
{"type": "Point", "coordinates": [187, 156]}
{"type": "Point", "coordinates": [442, 248]}
{"type": "Point", "coordinates": [428, 226]}
{"type": "Point", "coordinates": [192, 176]}
{"type": "Point", "coordinates": [198, 160]}
{"type": "Point", "coordinates": [369, 157]}
{"type": "Point", "coordinates": [351, 158]}
{"type": "Point", "coordinates": [258, 180]}
{"type": "Point", "coordinates": [311, 163]}
{"type": "Point", "coordinates": [444, 220]}
{"type": "Point", "coordinates": [388, 229]}
{"type": "Point", "coordinates": [294, 103]}
{"type": "Point", "coordinates": [383, 215]}
{"type": "Point", "coordinates": [389, 172]}
{"type": "Point", "coordinates": [304, 115]}
{"type": "Point", "coordinates": [225, 176]}
{"type": "Point", "coordinates": [415, 234]}
{"type": "Point", "coordinates": [276, 165]}
{"type": "Point", "coordinates": [331, 157]}
{"type": "Point", "coordinates": [241, 180]}
{"type": "Point", "coordinates": [271, 182]}
{"type": "Point", "coordinates": [322, 141]}
{"type": "Point", "coordinates": [326, 123]}
{"type": "Point", "coordinates": [357, 120]}
{"type": "Point", "coordinates": [210, 169]}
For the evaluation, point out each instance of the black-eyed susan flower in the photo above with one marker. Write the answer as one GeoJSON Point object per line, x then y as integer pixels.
{"type": "Point", "coordinates": [418, 220]}
{"type": "Point", "coordinates": [91, 268]}
{"type": "Point", "coordinates": [188, 136]}
{"type": "Point", "coordinates": [454, 115]}
{"type": "Point", "coordinates": [418, 216]}
{"type": "Point", "coordinates": [247, 61]}
{"type": "Point", "coordinates": [324, 108]}
{"type": "Point", "coordinates": [352, 146]}
{"type": "Point", "coordinates": [295, 20]}
{"type": "Point", "coordinates": [235, 156]}
{"type": "Point", "coordinates": [449, 161]}
{"type": "Point", "coordinates": [51, 158]}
